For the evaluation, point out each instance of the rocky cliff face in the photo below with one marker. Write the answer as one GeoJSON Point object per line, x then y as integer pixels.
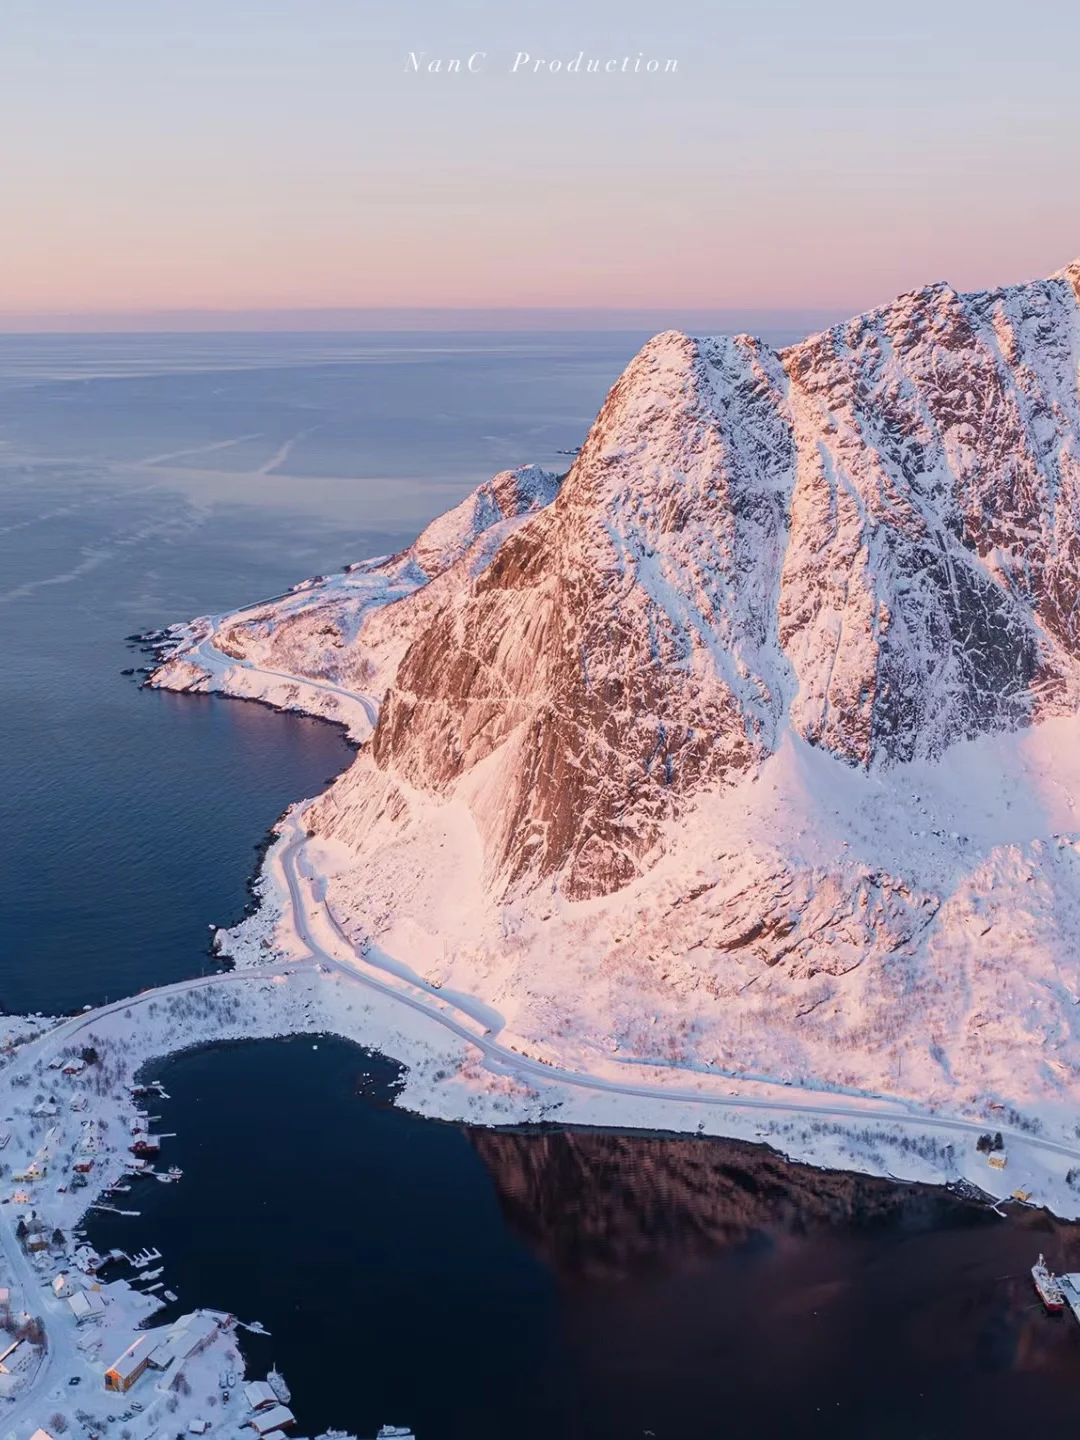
{"type": "Point", "coordinates": [756, 742]}
{"type": "Point", "coordinates": [870, 537]}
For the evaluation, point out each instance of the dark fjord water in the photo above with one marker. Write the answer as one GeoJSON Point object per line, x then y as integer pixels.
{"type": "Point", "coordinates": [477, 1284]}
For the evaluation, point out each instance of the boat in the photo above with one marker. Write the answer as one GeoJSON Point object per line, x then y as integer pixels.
{"type": "Point", "coordinates": [1047, 1287]}
{"type": "Point", "coordinates": [395, 1432]}
{"type": "Point", "coordinates": [276, 1381]}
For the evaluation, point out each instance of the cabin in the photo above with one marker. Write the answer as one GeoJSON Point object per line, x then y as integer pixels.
{"type": "Point", "coordinates": [36, 1240]}
{"type": "Point", "coordinates": [75, 1066]}
{"type": "Point", "coordinates": [124, 1371]}
{"type": "Point", "coordinates": [62, 1287]}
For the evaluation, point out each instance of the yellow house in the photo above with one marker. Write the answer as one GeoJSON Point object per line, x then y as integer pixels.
{"type": "Point", "coordinates": [123, 1373]}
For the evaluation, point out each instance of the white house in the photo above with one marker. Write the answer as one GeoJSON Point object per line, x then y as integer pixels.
{"type": "Point", "coordinates": [62, 1287]}
{"type": "Point", "coordinates": [86, 1305]}
{"type": "Point", "coordinates": [184, 1338]}
{"type": "Point", "coordinates": [15, 1358]}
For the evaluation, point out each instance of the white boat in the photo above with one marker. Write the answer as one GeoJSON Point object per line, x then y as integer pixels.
{"type": "Point", "coordinates": [276, 1381]}
{"type": "Point", "coordinates": [1047, 1287]}
{"type": "Point", "coordinates": [395, 1432]}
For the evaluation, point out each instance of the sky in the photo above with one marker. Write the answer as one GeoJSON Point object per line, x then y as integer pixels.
{"type": "Point", "coordinates": [264, 155]}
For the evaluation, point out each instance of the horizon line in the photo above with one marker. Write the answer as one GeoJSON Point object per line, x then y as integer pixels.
{"type": "Point", "coordinates": [309, 319]}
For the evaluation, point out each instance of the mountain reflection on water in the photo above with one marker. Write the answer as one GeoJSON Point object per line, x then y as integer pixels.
{"type": "Point", "coordinates": [506, 1285]}
{"type": "Point", "coordinates": [700, 1273]}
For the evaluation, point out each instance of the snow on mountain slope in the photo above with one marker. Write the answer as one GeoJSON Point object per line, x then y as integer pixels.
{"type": "Point", "coordinates": [758, 746]}
{"type": "Point", "coordinates": [333, 631]}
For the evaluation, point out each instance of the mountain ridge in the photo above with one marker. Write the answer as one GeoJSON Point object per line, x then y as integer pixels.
{"type": "Point", "coordinates": [752, 741]}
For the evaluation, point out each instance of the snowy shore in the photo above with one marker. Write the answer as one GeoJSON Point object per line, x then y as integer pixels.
{"type": "Point", "coordinates": [297, 973]}
{"type": "Point", "coordinates": [494, 1066]}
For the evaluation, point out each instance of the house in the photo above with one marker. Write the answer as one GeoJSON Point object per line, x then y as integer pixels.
{"type": "Point", "coordinates": [15, 1358]}
{"type": "Point", "coordinates": [75, 1066]}
{"type": "Point", "coordinates": [265, 1421]}
{"type": "Point", "coordinates": [86, 1305]}
{"type": "Point", "coordinates": [123, 1372]}
{"type": "Point", "coordinates": [192, 1333]}
{"type": "Point", "coordinates": [40, 1434]}
{"type": "Point", "coordinates": [36, 1240]}
{"type": "Point", "coordinates": [184, 1338]}
{"type": "Point", "coordinates": [258, 1395]}
{"type": "Point", "coordinates": [62, 1287]}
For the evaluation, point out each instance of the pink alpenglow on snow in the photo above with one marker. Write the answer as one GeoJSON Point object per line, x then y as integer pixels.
{"type": "Point", "coordinates": [750, 747]}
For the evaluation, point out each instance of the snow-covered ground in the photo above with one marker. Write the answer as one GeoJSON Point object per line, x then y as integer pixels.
{"type": "Point", "coordinates": [941, 870]}
{"type": "Point", "coordinates": [743, 757]}
{"type": "Point", "coordinates": [298, 971]}
{"type": "Point", "coordinates": [63, 1126]}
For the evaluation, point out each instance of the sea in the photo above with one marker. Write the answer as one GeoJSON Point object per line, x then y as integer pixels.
{"type": "Point", "coordinates": [475, 1284]}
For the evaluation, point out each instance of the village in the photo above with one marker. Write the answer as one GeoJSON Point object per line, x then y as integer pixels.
{"type": "Point", "coordinates": [78, 1131]}
{"type": "Point", "coordinates": [80, 1355]}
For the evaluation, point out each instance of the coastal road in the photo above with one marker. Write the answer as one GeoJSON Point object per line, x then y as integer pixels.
{"type": "Point", "coordinates": [216, 660]}
{"type": "Point", "coordinates": [436, 1005]}
{"type": "Point", "coordinates": [500, 1058]}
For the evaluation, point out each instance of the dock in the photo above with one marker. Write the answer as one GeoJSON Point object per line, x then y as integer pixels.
{"type": "Point", "coordinates": [1070, 1288]}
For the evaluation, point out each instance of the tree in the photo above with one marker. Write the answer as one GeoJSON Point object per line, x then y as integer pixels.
{"type": "Point", "coordinates": [91, 1056]}
{"type": "Point", "coordinates": [20, 1229]}
{"type": "Point", "coordinates": [58, 1238]}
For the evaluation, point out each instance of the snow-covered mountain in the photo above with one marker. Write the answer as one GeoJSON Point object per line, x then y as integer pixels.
{"type": "Point", "coordinates": [755, 741]}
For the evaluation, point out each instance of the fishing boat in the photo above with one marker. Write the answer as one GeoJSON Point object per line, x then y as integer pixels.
{"type": "Point", "coordinates": [1047, 1287]}
{"type": "Point", "coordinates": [276, 1381]}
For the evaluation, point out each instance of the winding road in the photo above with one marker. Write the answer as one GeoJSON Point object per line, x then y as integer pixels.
{"type": "Point", "coordinates": [502, 1059]}
{"type": "Point", "coordinates": [217, 661]}
{"type": "Point", "coordinates": [436, 1003]}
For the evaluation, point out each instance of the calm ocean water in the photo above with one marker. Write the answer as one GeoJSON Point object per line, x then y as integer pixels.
{"type": "Point", "coordinates": [476, 1284]}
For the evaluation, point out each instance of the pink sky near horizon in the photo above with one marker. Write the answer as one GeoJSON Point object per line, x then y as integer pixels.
{"type": "Point", "coordinates": [233, 156]}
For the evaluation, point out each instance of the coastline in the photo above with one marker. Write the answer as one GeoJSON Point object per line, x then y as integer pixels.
{"type": "Point", "coordinates": [510, 1081]}
{"type": "Point", "coordinates": [293, 977]}
{"type": "Point", "coordinates": [297, 972]}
